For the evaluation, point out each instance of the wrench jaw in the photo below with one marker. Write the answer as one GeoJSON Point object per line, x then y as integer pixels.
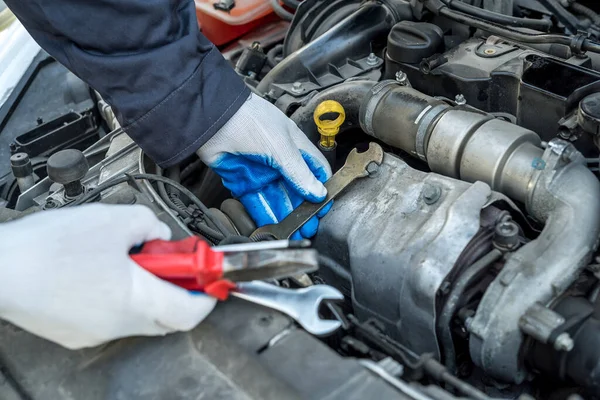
{"type": "Point", "coordinates": [354, 168]}
{"type": "Point", "coordinates": [322, 328]}
{"type": "Point", "coordinates": [312, 323]}
{"type": "Point", "coordinates": [300, 304]}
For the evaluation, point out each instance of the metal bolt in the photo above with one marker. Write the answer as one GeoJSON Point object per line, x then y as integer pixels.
{"type": "Point", "coordinates": [12, 147]}
{"type": "Point", "coordinates": [372, 59]}
{"type": "Point", "coordinates": [460, 100]}
{"type": "Point", "coordinates": [564, 342]}
{"type": "Point", "coordinates": [372, 168]}
{"type": "Point", "coordinates": [256, 45]}
{"type": "Point", "coordinates": [431, 194]}
{"type": "Point", "coordinates": [50, 204]}
{"type": "Point", "coordinates": [297, 87]}
{"type": "Point", "coordinates": [402, 78]}
{"type": "Point", "coordinates": [490, 52]}
{"type": "Point", "coordinates": [506, 235]}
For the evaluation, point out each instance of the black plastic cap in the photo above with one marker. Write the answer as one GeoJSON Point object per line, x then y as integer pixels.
{"type": "Point", "coordinates": [21, 165]}
{"type": "Point", "coordinates": [410, 42]}
{"type": "Point", "coordinates": [591, 105]}
{"type": "Point", "coordinates": [589, 114]}
{"type": "Point", "coordinates": [67, 166]}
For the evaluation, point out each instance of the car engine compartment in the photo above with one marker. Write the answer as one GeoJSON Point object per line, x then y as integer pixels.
{"type": "Point", "coordinates": [468, 258]}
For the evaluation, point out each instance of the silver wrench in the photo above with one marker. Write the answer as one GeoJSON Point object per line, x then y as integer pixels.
{"type": "Point", "coordinates": [354, 168]}
{"type": "Point", "coordinates": [300, 304]}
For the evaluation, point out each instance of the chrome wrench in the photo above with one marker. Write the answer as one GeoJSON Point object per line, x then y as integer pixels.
{"type": "Point", "coordinates": [354, 168]}
{"type": "Point", "coordinates": [300, 304]}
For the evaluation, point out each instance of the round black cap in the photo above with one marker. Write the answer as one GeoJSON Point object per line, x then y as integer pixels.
{"type": "Point", "coordinates": [21, 165]}
{"type": "Point", "coordinates": [67, 166]}
{"type": "Point", "coordinates": [410, 42]}
{"type": "Point", "coordinates": [19, 159]}
{"type": "Point", "coordinates": [591, 105]}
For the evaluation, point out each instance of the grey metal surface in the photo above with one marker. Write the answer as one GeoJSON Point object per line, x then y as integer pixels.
{"type": "Point", "coordinates": [556, 187]}
{"type": "Point", "coordinates": [539, 322]}
{"type": "Point", "coordinates": [399, 248]}
{"type": "Point", "coordinates": [473, 147]}
{"type": "Point", "coordinates": [356, 167]}
{"type": "Point", "coordinates": [300, 304]}
{"type": "Point", "coordinates": [566, 196]}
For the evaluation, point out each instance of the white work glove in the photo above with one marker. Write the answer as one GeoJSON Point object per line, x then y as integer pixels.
{"type": "Point", "coordinates": [268, 164]}
{"type": "Point", "coordinates": [66, 276]}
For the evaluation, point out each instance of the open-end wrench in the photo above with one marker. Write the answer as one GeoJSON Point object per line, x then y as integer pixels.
{"type": "Point", "coordinates": [354, 168]}
{"type": "Point", "coordinates": [300, 304]}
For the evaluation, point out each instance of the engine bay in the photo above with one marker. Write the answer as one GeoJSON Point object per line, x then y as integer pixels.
{"type": "Point", "coordinates": [468, 256]}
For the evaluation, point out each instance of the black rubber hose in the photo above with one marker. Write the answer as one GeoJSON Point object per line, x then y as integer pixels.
{"type": "Point", "coordinates": [294, 4]}
{"type": "Point", "coordinates": [349, 94]}
{"type": "Point", "coordinates": [537, 24]}
{"type": "Point", "coordinates": [272, 55]}
{"type": "Point", "coordinates": [452, 302]}
{"type": "Point", "coordinates": [586, 12]}
{"type": "Point", "coordinates": [280, 11]}
{"type": "Point", "coordinates": [437, 7]}
{"type": "Point", "coordinates": [353, 35]}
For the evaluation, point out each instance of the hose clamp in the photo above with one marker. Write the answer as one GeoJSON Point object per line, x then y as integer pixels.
{"type": "Point", "coordinates": [578, 41]}
{"type": "Point", "coordinates": [425, 121]}
{"type": "Point", "coordinates": [367, 110]}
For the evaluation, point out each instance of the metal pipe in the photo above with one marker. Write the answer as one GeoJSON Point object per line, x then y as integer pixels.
{"type": "Point", "coordinates": [564, 195]}
{"type": "Point", "coordinates": [459, 142]}
{"type": "Point", "coordinates": [556, 187]}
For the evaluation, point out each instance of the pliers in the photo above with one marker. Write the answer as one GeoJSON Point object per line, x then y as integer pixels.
{"type": "Point", "coordinates": [194, 265]}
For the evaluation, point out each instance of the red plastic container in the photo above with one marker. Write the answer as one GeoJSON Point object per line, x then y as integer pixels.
{"type": "Point", "coordinates": [221, 27]}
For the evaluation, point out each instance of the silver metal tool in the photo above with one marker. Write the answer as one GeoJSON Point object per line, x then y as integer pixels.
{"type": "Point", "coordinates": [355, 167]}
{"type": "Point", "coordinates": [300, 304]}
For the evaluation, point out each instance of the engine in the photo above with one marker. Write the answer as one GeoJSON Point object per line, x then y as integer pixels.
{"type": "Point", "coordinates": [469, 255]}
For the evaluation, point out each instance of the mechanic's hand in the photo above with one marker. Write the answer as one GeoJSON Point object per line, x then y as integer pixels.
{"type": "Point", "coordinates": [66, 276]}
{"type": "Point", "coordinates": [268, 164]}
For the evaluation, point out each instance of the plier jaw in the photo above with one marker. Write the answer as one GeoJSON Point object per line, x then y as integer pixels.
{"type": "Point", "coordinates": [193, 265]}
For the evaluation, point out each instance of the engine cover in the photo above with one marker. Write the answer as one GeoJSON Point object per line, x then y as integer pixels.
{"type": "Point", "coordinates": [401, 232]}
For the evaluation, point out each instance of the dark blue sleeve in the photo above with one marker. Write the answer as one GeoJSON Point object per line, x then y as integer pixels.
{"type": "Point", "coordinates": [169, 86]}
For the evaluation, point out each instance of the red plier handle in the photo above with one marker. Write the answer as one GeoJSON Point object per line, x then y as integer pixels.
{"type": "Point", "coordinates": [189, 263]}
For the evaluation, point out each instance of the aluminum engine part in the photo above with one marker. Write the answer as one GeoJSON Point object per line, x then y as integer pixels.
{"type": "Point", "coordinates": [566, 195]}
{"type": "Point", "coordinates": [401, 231]}
{"type": "Point", "coordinates": [555, 186]}
{"type": "Point", "coordinates": [120, 156]}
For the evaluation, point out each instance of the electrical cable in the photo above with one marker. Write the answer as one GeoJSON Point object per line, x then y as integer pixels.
{"type": "Point", "coordinates": [171, 199]}
{"type": "Point", "coordinates": [537, 24]}
{"type": "Point", "coordinates": [280, 11]}
{"type": "Point", "coordinates": [575, 42]}
{"type": "Point", "coordinates": [156, 178]}
{"type": "Point", "coordinates": [208, 232]}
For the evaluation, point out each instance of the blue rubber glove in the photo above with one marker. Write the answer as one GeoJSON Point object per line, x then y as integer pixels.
{"type": "Point", "coordinates": [268, 164]}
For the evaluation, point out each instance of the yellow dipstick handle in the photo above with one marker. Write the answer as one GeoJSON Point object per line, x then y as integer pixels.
{"type": "Point", "coordinates": [329, 128]}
